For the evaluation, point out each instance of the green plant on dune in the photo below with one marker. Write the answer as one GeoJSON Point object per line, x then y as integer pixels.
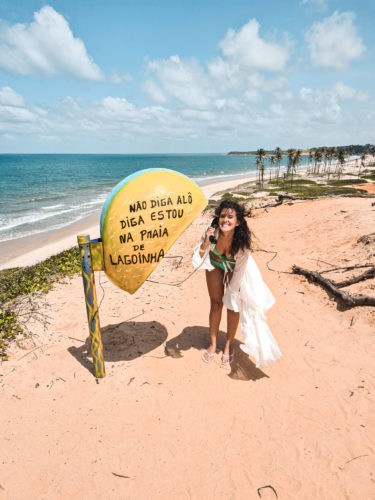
{"type": "Point", "coordinates": [19, 282]}
{"type": "Point", "coordinates": [346, 182]}
{"type": "Point", "coordinates": [316, 191]}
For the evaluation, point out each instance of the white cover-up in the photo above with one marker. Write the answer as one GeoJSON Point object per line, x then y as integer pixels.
{"type": "Point", "coordinates": [249, 295]}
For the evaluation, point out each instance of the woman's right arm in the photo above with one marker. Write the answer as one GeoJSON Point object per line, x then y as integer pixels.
{"type": "Point", "coordinates": [201, 252]}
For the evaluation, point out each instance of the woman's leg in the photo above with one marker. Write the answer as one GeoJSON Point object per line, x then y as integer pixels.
{"type": "Point", "coordinates": [215, 287]}
{"type": "Point", "coordinates": [233, 319]}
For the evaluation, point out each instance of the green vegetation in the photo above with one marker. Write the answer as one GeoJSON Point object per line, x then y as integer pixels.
{"type": "Point", "coordinates": [20, 281]}
{"type": "Point", "coordinates": [231, 196]}
{"type": "Point", "coordinates": [345, 182]}
{"type": "Point", "coordinates": [315, 191]}
{"type": "Point", "coordinates": [370, 177]}
{"type": "Point", "coordinates": [281, 182]}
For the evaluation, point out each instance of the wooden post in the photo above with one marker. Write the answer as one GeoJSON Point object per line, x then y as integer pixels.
{"type": "Point", "coordinates": [91, 305]}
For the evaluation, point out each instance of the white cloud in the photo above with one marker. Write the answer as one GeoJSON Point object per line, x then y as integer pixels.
{"type": "Point", "coordinates": [252, 95]}
{"type": "Point", "coordinates": [15, 114]}
{"type": "Point", "coordinates": [10, 97]}
{"type": "Point", "coordinates": [339, 91]}
{"type": "Point", "coordinates": [13, 109]}
{"type": "Point", "coordinates": [277, 109]}
{"type": "Point", "coordinates": [154, 92]}
{"type": "Point", "coordinates": [346, 92]}
{"type": "Point", "coordinates": [336, 114]}
{"type": "Point", "coordinates": [183, 80]}
{"type": "Point", "coordinates": [238, 74]}
{"type": "Point", "coordinates": [324, 106]}
{"type": "Point", "coordinates": [45, 46]}
{"type": "Point", "coordinates": [250, 52]}
{"type": "Point", "coordinates": [118, 78]}
{"type": "Point", "coordinates": [334, 42]}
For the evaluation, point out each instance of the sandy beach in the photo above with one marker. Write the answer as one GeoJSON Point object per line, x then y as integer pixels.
{"type": "Point", "coordinates": [164, 424]}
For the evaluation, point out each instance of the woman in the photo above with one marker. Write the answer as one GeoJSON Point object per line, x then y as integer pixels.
{"type": "Point", "coordinates": [233, 279]}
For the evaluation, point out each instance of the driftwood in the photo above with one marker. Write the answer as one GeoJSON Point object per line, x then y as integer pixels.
{"type": "Point", "coordinates": [349, 300]}
{"type": "Point", "coordinates": [280, 200]}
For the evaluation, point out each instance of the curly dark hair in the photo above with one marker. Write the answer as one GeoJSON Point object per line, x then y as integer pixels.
{"type": "Point", "coordinates": [242, 235]}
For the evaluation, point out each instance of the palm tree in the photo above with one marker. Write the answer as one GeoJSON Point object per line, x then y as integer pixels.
{"type": "Point", "coordinates": [258, 164]}
{"type": "Point", "coordinates": [290, 154]}
{"type": "Point", "coordinates": [331, 155]}
{"type": "Point", "coordinates": [296, 160]}
{"type": "Point", "coordinates": [363, 163]}
{"type": "Point", "coordinates": [311, 159]}
{"type": "Point", "coordinates": [341, 156]}
{"type": "Point", "coordinates": [323, 150]}
{"type": "Point", "coordinates": [279, 157]}
{"type": "Point", "coordinates": [318, 158]}
{"type": "Point", "coordinates": [272, 162]}
{"type": "Point", "coordinates": [261, 155]}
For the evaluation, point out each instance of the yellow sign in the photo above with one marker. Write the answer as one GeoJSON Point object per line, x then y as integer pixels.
{"type": "Point", "coordinates": [141, 219]}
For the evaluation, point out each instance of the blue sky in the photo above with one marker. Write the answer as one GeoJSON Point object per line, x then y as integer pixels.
{"type": "Point", "coordinates": [185, 77]}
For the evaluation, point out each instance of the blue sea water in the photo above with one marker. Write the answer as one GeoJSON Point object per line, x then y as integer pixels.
{"type": "Point", "coordinates": [43, 192]}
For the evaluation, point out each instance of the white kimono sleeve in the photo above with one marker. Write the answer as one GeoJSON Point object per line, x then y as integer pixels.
{"type": "Point", "coordinates": [202, 261]}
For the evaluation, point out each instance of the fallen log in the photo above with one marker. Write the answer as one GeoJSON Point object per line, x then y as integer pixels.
{"type": "Point", "coordinates": [348, 300]}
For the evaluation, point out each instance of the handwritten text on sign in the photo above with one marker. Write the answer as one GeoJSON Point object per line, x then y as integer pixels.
{"type": "Point", "coordinates": [142, 221]}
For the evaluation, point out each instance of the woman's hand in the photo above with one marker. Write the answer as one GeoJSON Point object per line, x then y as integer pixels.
{"type": "Point", "coordinates": [210, 232]}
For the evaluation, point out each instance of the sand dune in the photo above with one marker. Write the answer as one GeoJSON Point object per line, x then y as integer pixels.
{"type": "Point", "coordinates": [164, 424]}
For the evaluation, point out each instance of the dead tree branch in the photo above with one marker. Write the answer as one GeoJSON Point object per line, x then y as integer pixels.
{"type": "Point", "coordinates": [364, 276]}
{"type": "Point", "coordinates": [348, 300]}
{"type": "Point", "coordinates": [345, 268]}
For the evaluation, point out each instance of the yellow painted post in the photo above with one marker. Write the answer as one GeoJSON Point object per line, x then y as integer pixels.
{"type": "Point", "coordinates": [91, 305]}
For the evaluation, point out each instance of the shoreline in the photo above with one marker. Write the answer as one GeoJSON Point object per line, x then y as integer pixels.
{"type": "Point", "coordinates": [29, 250]}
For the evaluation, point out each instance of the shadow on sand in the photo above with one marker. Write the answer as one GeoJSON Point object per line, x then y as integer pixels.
{"type": "Point", "coordinates": [196, 337]}
{"type": "Point", "coordinates": [123, 342]}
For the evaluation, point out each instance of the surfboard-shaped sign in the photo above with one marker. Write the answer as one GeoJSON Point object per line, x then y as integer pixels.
{"type": "Point", "coordinates": [141, 219]}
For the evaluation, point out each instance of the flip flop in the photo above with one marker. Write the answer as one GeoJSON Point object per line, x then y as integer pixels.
{"type": "Point", "coordinates": [207, 357]}
{"type": "Point", "coordinates": [227, 360]}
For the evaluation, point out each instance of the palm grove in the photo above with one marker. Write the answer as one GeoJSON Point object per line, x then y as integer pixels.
{"type": "Point", "coordinates": [326, 161]}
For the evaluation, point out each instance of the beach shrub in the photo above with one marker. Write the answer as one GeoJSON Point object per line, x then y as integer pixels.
{"type": "Point", "coordinates": [345, 182]}
{"type": "Point", "coordinates": [280, 181]}
{"type": "Point", "coordinates": [20, 281]}
{"type": "Point", "coordinates": [315, 191]}
{"type": "Point", "coordinates": [243, 193]}
{"type": "Point", "coordinates": [231, 196]}
{"type": "Point", "coordinates": [8, 329]}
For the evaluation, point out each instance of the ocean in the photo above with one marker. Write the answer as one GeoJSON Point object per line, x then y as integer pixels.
{"type": "Point", "coordinates": [46, 191]}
